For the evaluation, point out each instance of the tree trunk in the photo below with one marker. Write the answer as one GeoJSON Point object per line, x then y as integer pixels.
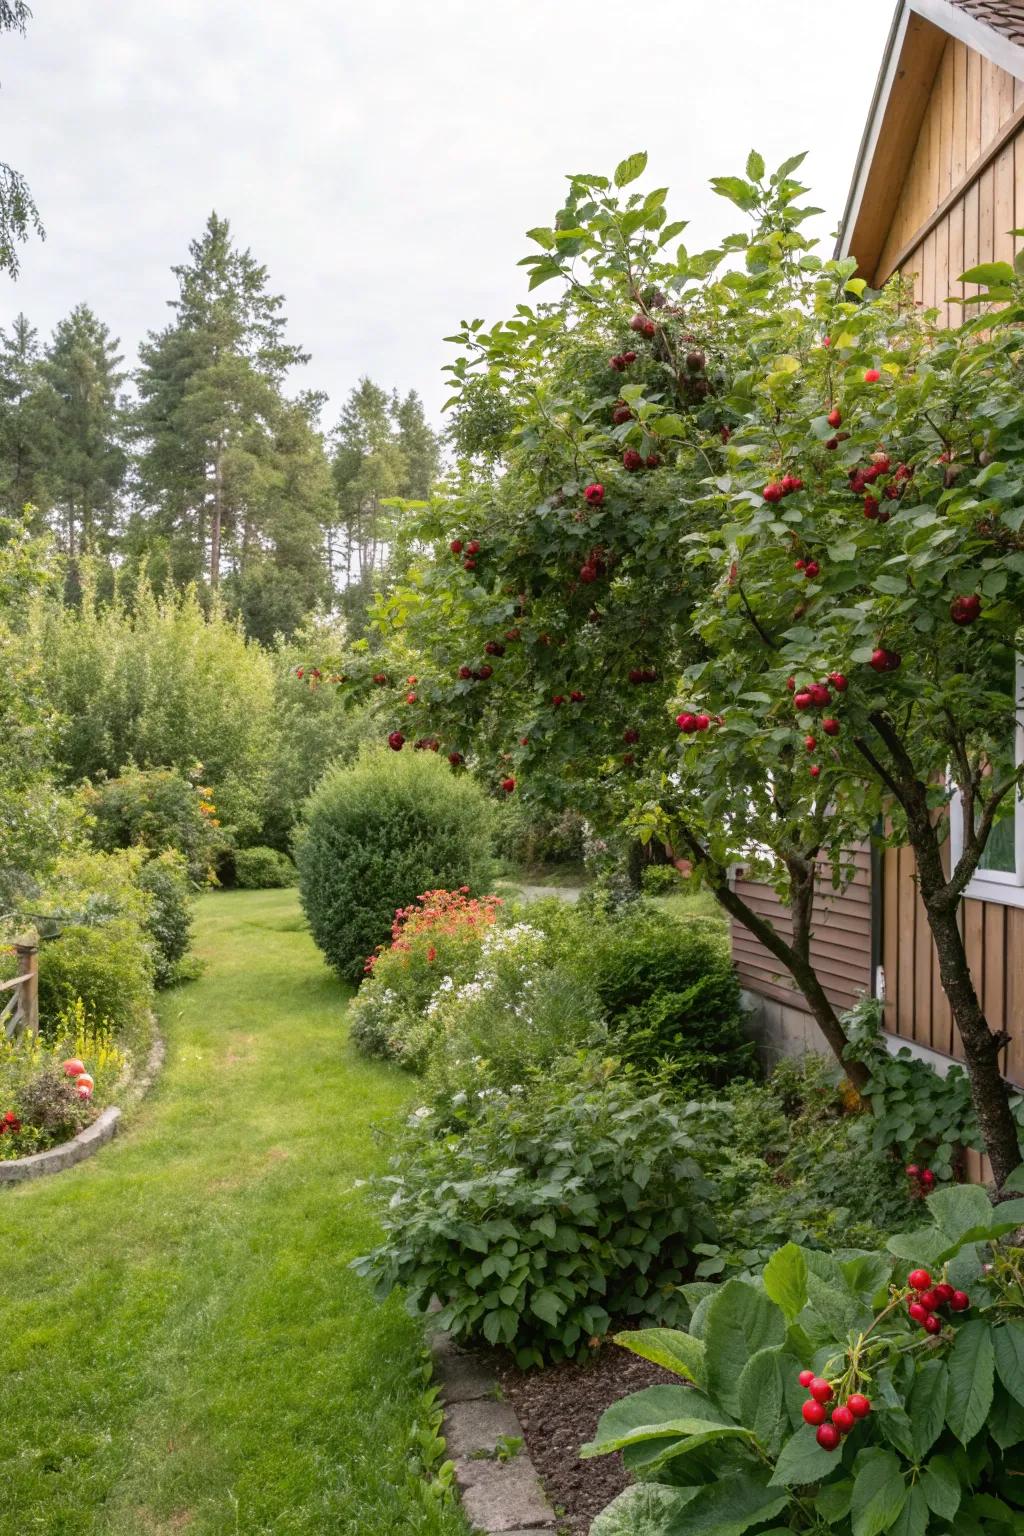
{"type": "Point", "coordinates": [217, 518]}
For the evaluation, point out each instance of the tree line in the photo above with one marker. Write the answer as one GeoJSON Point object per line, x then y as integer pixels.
{"type": "Point", "coordinates": [212, 470]}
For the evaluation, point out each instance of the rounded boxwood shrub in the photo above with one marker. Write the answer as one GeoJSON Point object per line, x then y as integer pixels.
{"type": "Point", "coordinates": [378, 834]}
{"type": "Point", "coordinates": [263, 869]}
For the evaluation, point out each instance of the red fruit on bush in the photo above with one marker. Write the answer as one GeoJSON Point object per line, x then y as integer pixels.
{"type": "Point", "coordinates": [828, 1437]}
{"type": "Point", "coordinates": [843, 1419]}
{"type": "Point", "coordinates": [594, 494]}
{"type": "Point", "coordinates": [484, 672]}
{"type": "Point", "coordinates": [819, 694]}
{"type": "Point", "coordinates": [396, 741]}
{"type": "Point", "coordinates": [838, 682]}
{"type": "Point", "coordinates": [799, 565]}
{"type": "Point", "coordinates": [813, 1412]}
{"type": "Point", "coordinates": [524, 741]}
{"type": "Point", "coordinates": [835, 418]}
{"type": "Point", "coordinates": [621, 414]}
{"type": "Point", "coordinates": [912, 1170]}
{"type": "Point", "coordinates": [653, 460]}
{"type": "Point", "coordinates": [299, 672]}
{"type": "Point", "coordinates": [628, 357]}
{"type": "Point", "coordinates": [802, 700]}
{"type": "Point", "coordinates": [830, 727]}
{"type": "Point", "coordinates": [831, 443]}
{"type": "Point", "coordinates": [72, 1067]}
{"type": "Point", "coordinates": [919, 1280]}
{"type": "Point", "coordinates": [588, 573]}
{"type": "Point", "coordinates": [883, 660]}
{"type": "Point", "coordinates": [628, 759]}
{"type": "Point", "coordinates": [859, 1405]}
{"type": "Point", "coordinates": [702, 722]}
{"type": "Point", "coordinates": [871, 376]}
{"type": "Point", "coordinates": [576, 696]}
{"type": "Point", "coordinates": [643, 324]}
{"type": "Point", "coordinates": [959, 1301]}
{"type": "Point", "coordinates": [630, 735]}
{"type": "Point", "coordinates": [380, 678]}
{"type": "Point", "coordinates": [687, 723]}
{"type": "Point", "coordinates": [773, 491]}
{"type": "Point", "coordinates": [465, 672]}
{"type": "Point", "coordinates": [805, 1378]}
{"type": "Point", "coordinates": [814, 771]}
{"type": "Point", "coordinates": [811, 743]}
{"type": "Point", "coordinates": [473, 547]}
{"type": "Point", "coordinates": [469, 565]}
{"type": "Point", "coordinates": [512, 634]}
{"type": "Point", "coordinates": [881, 461]}
{"type": "Point", "coordinates": [631, 460]}
{"type": "Point", "coordinates": [410, 698]}
{"type": "Point", "coordinates": [821, 1389]}
{"type": "Point", "coordinates": [932, 1324]}
{"type": "Point", "coordinates": [508, 785]}
{"type": "Point", "coordinates": [725, 433]}
{"type": "Point", "coordinates": [928, 1179]}
{"type": "Point", "coordinates": [84, 1090]}
{"type": "Point", "coordinates": [811, 569]}
{"type": "Point", "coordinates": [558, 699]}
{"type": "Point", "coordinates": [455, 758]}
{"type": "Point", "coordinates": [871, 506]}
{"type": "Point", "coordinates": [930, 1300]}
{"type": "Point", "coordinates": [494, 648]}
{"type": "Point", "coordinates": [945, 1293]}
{"type": "Point", "coordinates": [618, 362]}
{"type": "Point", "coordinates": [791, 684]}
{"type": "Point", "coordinates": [456, 546]}
{"type": "Point", "coordinates": [917, 1312]}
{"type": "Point", "coordinates": [965, 609]}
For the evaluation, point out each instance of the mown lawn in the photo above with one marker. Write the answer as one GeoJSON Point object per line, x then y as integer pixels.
{"type": "Point", "coordinates": [182, 1347]}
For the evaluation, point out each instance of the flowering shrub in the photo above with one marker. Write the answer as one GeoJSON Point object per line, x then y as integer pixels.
{"type": "Point", "coordinates": [843, 1394]}
{"type": "Point", "coordinates": [50, 1089]}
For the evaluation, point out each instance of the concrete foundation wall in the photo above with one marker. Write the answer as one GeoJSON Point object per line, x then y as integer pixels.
{"type": "Point", "coordinates": [782, 1030]}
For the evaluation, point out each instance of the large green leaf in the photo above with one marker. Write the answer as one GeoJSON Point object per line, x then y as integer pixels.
{"type": "Point", "coordinates": [803, 1461]}
{"type": "Point", "coordinates": [656, 1412]}
{"type": "Point", "coordinates": [912, 1519]}
{"type": "Point", "coordinates": [927, 1404]}
{"type": "Point", "coordinates": [785, 1280]}
{"type": "Point", "coordinates": [960, 1210]}
{"type": "Point", "coordinates": [642, 1511]}
{"type": "Point", "coordinates": [762, 1395]}
{"type": "Point", "coordinates": [1009, 1351]}
{"type": "Point", "coordinates": [990, 274]}
{"type": "Point", "coordinates": [1006, 1420]}
{"type": "Point", "coordinates": [669, 1347]}
{"type": "Point", "coordinates": [740, 1320]}
{"type": "Point", "coordinates": [941, 1487]}
{"type": "Point", "coordinates": [727, 1508]}
{"type": "Point", "coordinates": [926, 1245]}
{"type": "Point", "coordinates": [879, 1494]}
{"type": "Point", "coordinates": [629, 169]}
{"type": "Point", "coordinates": [971, 1369]}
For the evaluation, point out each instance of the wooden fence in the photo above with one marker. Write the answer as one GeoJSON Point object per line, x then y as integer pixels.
{"type": "Point", "coordinates": [20, 1011]}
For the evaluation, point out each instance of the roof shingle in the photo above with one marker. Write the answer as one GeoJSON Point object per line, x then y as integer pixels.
{"type": "Point", "coordinates": [1003, 16]}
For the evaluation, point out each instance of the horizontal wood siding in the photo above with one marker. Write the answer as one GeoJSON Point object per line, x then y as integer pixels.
{"type": "Point", "coordinates": [840, 946]}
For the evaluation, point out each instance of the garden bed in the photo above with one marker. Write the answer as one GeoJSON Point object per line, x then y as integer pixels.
{"type": "Point", "coordinates": [558, 1409]}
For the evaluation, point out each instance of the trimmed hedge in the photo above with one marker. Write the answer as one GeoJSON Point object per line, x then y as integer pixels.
{"type": "Point", "coordinates": [263, 869]}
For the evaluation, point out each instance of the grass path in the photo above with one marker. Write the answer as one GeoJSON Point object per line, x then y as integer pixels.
{"type": "Point", "coordinates": [182, 1347]}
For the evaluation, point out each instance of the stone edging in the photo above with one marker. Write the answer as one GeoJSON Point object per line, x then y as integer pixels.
{"type": "Point", "coordinates": [500, 1498]}
{"type": "Point", "coordinates": [87, 1142]}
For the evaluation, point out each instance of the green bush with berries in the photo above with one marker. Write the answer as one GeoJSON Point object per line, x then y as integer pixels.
{"type": "Point", "coordinates": [839, 1394]}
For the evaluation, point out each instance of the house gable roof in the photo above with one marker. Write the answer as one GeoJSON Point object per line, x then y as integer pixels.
{"type": "Point", "coordinates": [913, 52]}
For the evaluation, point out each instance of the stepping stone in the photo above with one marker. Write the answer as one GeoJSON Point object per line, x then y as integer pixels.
{"type": "Point", "coordinates": [477, 1427]}
{"type": "Point", "coordinates": [503, 1497]}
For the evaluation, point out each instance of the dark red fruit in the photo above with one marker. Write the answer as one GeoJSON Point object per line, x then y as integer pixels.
{"type": "Point", "coordinates": [831, 442]}
{"type": "Point", "coordinates": [631, 460]}
{"type": "Point", "coordinates": [802, 700]}
{"type": "Point", "coordinates": [871, 505]}
{"type": "Point", "coordinates": [843, 1419]}
{"type": "Point", "coordinates": [469, 565]}
{"type": "Point", "coordinates": [811, 743]}
{"type": "Point", "coordinates": [919, 1280]}
{"type": "Point", "coordinates": [576, 696]}
{"type": "Point", "coordinates": [687, 723]}
{"type": "Point", "coordinates": [884, 661]}
{"type": "Point", "coordinates": [838, 682]}
{"type": "Point", "coordinates": [557, 700]}
{"type": "Point", "coordinates": [928, 1179]}
{"type": "Point", "coordinates": [588, 573]}
{"type": "Point", "coordinates": [380, 678]}
{"type": "Point", "coordinates": [830, 727]}
{"type": "Point", "coordinates": [959, 1301]}
{"type": "Point", "coordinates": [643, 324]}
{"type": "Point", "coordinates": [696, 362]}
{"type": "Point", "coordinates": [917, 1312]}
{"type": "Point", "coordinates": [512, 634]}
{"type": "Point", "coordinates": [628, 759]}
{"type": "Point", "coordinates": [805, 1378]}
{"type": "Point", "coordinates": [628, 357]}
{"type": "Point", "coordinates": [821, 1389]}
{"type": "Point", "coordinates": [621, 414]}
{"type": "Point", "coordinates": [465, 672]}
{"type": "Point", "coordinates": [396, 741]}
{"type": "Point", "coordinates": [653, 460]}
{"type": "Point", "coordinates": [473, 547]}
{"type": "Point", "coordinates": [814, 771]}
{"type": "Point", "coordinates": [819, 694]}
{"type": "Point", "coordinates": [912, 1170]}
{"type": "Point", "coordinates": [484, 672]}
{"type": "Point", "coordinates": [828, 1437]}
{"type": "Point", "coordinates": [508, 785]}
{"type": "Point", "coordinates": [791, 684]}
{"type": "Point", "coordinates": [965, 609]}
{"type": "Point", "coordinates": [932, 1324]}
{"type": "Point", "coordinates": [594, 494]}
{"type": "Point", "coordinates": [813, 1412]}
{"type": "Point", "coordinates": [455, 758]}
{"type": "Point", "coordinates": [702, 722]}
{"type": "Point", "coordinates": [859, 1405]}
{"type": "Point", "coordinates": [410, 698]}
{"type": "Point", "coordinates": [630, 735]}
{"type": "Point", "coordinates": [811, 569]}
{"type": "Point", "coordinates": [835, 418]}
{"type": "Point", "coordinates": [456, 546]}
{"type": "Point", "coordinates": [945, 1293]}
{"type": "Point", "coordinates": [494, 648]}
{"type": "Point", "coordinates": [931, 1300]}
{"type": "Point", "coordinates": [773, 491]}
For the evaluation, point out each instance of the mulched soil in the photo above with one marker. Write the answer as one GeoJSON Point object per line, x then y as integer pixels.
{"type": "Point", "coordinates": [559, 1409]}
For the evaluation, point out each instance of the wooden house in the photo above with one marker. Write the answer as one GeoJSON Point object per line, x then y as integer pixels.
{"type": "Point", "coordinates": [938, 187]}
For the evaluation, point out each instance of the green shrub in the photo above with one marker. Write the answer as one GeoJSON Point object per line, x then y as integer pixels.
{"type": "Point", "coordinates": [661, 880]}
{"type": "Point", "coordinates": [108, 967]}
{"type": "Point", "coordinates": [527, 837]}
{"type": "Point", "coordinates": [155, 809]}
{"type": "Point", "coordinates": [377, 834]}
{"type": "Point", "coordinates": [562, 1208]}
{"type": "Point", "coordinates": [937, 1446]}
{"type": "Point", "coordinates": [169, 922]}
{"type": "Point", "coordinates": [263, 869]}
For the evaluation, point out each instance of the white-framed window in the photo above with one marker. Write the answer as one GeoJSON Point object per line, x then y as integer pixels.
{"type": "Point", "coordinates": [1000, 873]}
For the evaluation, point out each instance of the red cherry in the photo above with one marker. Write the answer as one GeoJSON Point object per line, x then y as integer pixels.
{"type": "Point", "coordinates": [410, 698]}
{"type": "Point", "coordinates": [814, 771]}
{"type": "Point", "coordinates": [802, 700]}
{"type": "Point", "coordinates": [832, 442]}
{"type": "Point", "coordinates": [524, 741]}
{"type": "Point", "coordinates": [965, 609]}
{"type": "Point", "coordinates": [811, 743]}
{"type": "Point", "coordinates": [819, 694]}
{"type": "Point", "coordinates": [630, 735]}
{"type": "Point", "coordinates": [805, 1378]}
{"type": "Point", "coordinates": [511, 634]}
{"type": "Point", "coordinates": [813, 1412]}
{"type": "Point", "coordinates": [687, 723]}
{"type": "Point", "coordinates": [773, 491]}
{"type": "Point", "coordinates": [465, 672]}
{"type": "Point", "coordinates": [799, 565]}
{"type": "Point", "coordinates": [912, 1170]}
{"type": "Point", "coordinates": [621, 414]}
{"type": "Point", "coordinates": [380, 677]}
{"type": "Point", "coordinates": [455, 758]}
{"type": "Point", "coordinates": [919, 1280]}
{"type": "Point", "coordinates": [871, 376]}
{"type": "Point", "coordinates": [594, 494]}
{"type": "Point", "coordinates": [931, 1300]}
{"type": "Point", "coordinates": [576, 696]}
{"type": "Point", "coordinates": [821, 1389]}
{"type": "Point", "coordinates": [702, 722]}
{"type": "Point", "coordinates": [932, 1324]}
{"type": "Point", "coordinates": [469, 565]}
{"type": "Point", "coordinates": [473, 547]}
{"type": "Point", "coordinates": [456, 546]}
{"type": "Point", "coordinates": [917, 1312]}
{"type": "Point", "coordinates": [838, 682]}
{"type": "Point", "coordinates": [396, 741]}
{"type": "Point", "coordinates": [835, 418]}
{"type": "Point", "coordinates": [653, 460]}
{"type": "Point", "coordinates": [618, 362]}
{"type": "Point", "coordinates": [884, 661]}
{"type": "Point", "coordinates": [508, 785]}
{"type": "Point", "coordinates": [843, 1419]}
{"type": "Point", "coordinates": [791, 683]}
{"type": "Point", "coordinates": [871, 505]}
{"type": "Point", "coordinates": [811, 569]}
{"type": "Point", "coordinates": [828, 1437]}
{"type": "Point", "coordinates": [631, 460]}
{"type": "Point", "coordinates": [928, 1179]}
{"type": "Point", "coordinates": [830, 727]}
{"type": "Point", "coordinates": [959, 1301]}
{"type": "Point", "coordinates": [558, 699]}
{"type": "Point", "coordinates": [859, 1405]}
{"type": "Point", "coordinates": [628, 759]}
{"type": "Point", "coordinates": [588, 573]}
{"type": "Point", "coordinates": [494, 648]}
{"type": "Point", "coordinates": [484, 672]}
{"type": "Point", "coordinates": [945, 1293]}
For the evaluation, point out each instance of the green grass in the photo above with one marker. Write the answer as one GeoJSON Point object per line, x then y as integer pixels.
{"type": "Point", "coordinates": [687, 904]}
{"type": "Point", "coordinates": [182, 1345]}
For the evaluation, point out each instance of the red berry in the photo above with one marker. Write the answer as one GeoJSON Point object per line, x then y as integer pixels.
{"type": "Point", "coordinates": [576, 696]}
{"type": "Point", "coordinates": [410, 698]}
{"type": "Point", "coordinates": [959, 1301]}
{"type": "Point", "coordinates": [702, 722]}
{"type": "Point", "coordinates": [799, 565]}
{"type": "Point", "coordinates": [588, 573]}
{"type": "Point", "coordinates": [931, 1300]}
{"type": "Point", "coordinates": [928, 1179]}
{"type": "Point", "coordinates": [805, 1378]}
{"type": "Point", "coordinates": [773, 491]}
{"type": "Point", "coordinates": [628, 759]}
{"type": "Point", "coordinates": [819, 694]}
{"type": "Point", "coordinates": [380, 677]}
{"type": "Point", "coordinates": [811, 743]}
{"type": "Point", "coordinates": [628, 357]}
{"type": "Point", "coordinates": [831, 442]}
{"type": "Point", "coordinates": [630, 735]}
{"type": "Point", "coordinates": [871, 505]}
{"type": "Point", "coordinates": [618, 362]}
{"type": "Point", "coordinates": [473, 547]}
{"type": "Point", "coordinates": [469, 565]}
{"type": "Point", "coordinates": [843, 1419]}
{"type": "Point", "coordinates": [484, 672]}
{"type": "Point", "coordinates": [687, 723]}
{"type": "Point", "coordinates": [917, 1312]}
{"type": "Point", "coordinates": [465, 672]}
{"type": "Point", "coordinates": [821, 1389]}
{"type": "Point", "coordinates": [456, 546]}
{"type": "Point", "coordinates": [558, 700]}
{"type": "Point", "coordinates": [594, 494]}
{"type": "Point", "coordinates": [653, 460]}
{"type": "Point", "coordinates": [791, 683]}
{"type": "Point", "coordinates": [511, 634]}
{"type": "Point", "coordinates": [802, 700]}
{"type": "Point", "coordinates": [814, 771]}
{"type": "Point", "coordinates": [919, 1279]}
{"type": "Point", "coordinates": [494, 648]}
{"type": "Point", "coordinates": [508, 785]}
{"type": "Point", "coordinates": [621, 414]}
{"type": "Point", "coordinates": [830, 727]}
{"type": "Point", "coordinates": [828, 1437]}
{"type": "Point", "coordinates": [932, 1324]}
{"type": "Point", "coordinates": [859, 1405]}
{"type": "Point", "coordinates": [871, 376]}
{"type": "Point", "coordinates": [813, 1412]}
{"type": "Point", "coordinates": [912, 1170]}
{"type": "Point", "coordinates": [964, 610]}
{"type": "Point", "coordinates": [811, 569]}
{"type": "Point", "coordinates": [835, 418]}
{"type": "Point", "coordinates": [524, 741]}
{"type": "Point", "coordinates": [631, 460]}
{"type": "Point", "coordinates": [396, 741]}
{"type": "Point", "coordinates": [884, 661]}
{"type": "Point", "coordinates": [945, 1293]}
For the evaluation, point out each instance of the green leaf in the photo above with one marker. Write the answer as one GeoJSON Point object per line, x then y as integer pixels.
{"type": "Point", "coordinates": [989, 274]}
{"type": "Point", "coordinates": [728, 1507]}
{"type": "Point", "coordinates": [971, 1369]}
{"type": "Point", "coordinates": [762, 1394]}
{"type": "Point", "coordinates": [941, 1487]}
{"type": "Point", "coordinates": [832, 1503]}
{"type": "Point", "coordinates": [669, 1347]}
{"type": "Point", "coordinates": [1015, 1182]}
{"type": "Point", "coordinates": [547, 1306]}
{"type": "Point", "coordinates": [659, 1412]}
{"type": "Point", "coordinates": [740, 1321]}
{"type": "Point", "coordinates": [629, 169]}
{"type": "Point", "coordinates": [785, 1280]}
{"type": "Point", "coordinates": [755, 165]}
{"type": "Point", "coordinates": [926, 1404]}
{"type": "Point", "coordinates": [646, 1510]}
{"type": "Point", "coordinates": [1006, 1420]}
{"type": "Point", "coordinates": [802, 1461]}
{"type": "Point", "coordinates": [736, 190]}
{"type": "Point", "coordinates": [1009, 1352]}
{"type": "Point", "coordinates": [789, 166]}
{"type": "Point", "coordinates": [961, 1209]}
{"type": "Point", "coordinates": [912, 1519]}
{"type": "Point", "coordinates": [879, 1494]}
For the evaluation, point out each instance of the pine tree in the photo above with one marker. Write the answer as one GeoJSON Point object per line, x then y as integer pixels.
{"type": "Point", "coordinates": [87, 462]}
{"type": "Point", "coordinates": [419, 443]}
{"type": "Point", "coordinates": [26, 424]}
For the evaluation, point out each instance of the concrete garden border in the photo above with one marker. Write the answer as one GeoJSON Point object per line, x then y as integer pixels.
{"type": "Point", "coordinates": [89, 1141]}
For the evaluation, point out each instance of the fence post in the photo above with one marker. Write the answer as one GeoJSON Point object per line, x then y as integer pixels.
{"type": "Point", "coordinates": [27, 950]}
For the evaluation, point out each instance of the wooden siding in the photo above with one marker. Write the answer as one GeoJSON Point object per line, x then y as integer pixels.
{"type": "Point", "coordinates": [959, 158]}
{"type": "Point", "coordinates": [840, 946]}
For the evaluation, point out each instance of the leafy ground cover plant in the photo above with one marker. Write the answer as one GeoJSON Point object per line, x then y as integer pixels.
{"type": "Point", "coordinates": [558, 1209]}
{"type": "Point", "coordinates": [854, 1393]}
{"type": "Point", "coordinates": [50, 1090]}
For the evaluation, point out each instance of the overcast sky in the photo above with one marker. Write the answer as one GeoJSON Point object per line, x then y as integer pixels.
{"type": "Point", "coordinates": [383, 158]}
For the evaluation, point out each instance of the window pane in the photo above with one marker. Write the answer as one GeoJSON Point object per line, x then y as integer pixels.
{"type": "Point", "coordinates": [1001, 850]}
